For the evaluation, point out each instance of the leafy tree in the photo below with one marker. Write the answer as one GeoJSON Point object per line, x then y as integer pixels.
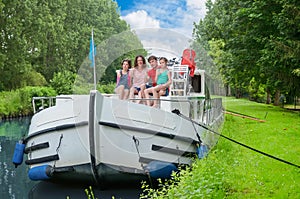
{"type": "Point", "coordinates": [14, 17]}
{"type": "Point", "coordinates": [44, 37]}
{"type": "Point", "coordinates": [254, 41]}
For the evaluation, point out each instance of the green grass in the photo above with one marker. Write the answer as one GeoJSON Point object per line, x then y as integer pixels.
{"type": "Point", "coordinates": [232, 171]}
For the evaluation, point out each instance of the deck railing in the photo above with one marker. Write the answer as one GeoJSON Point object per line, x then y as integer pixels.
{"type": "Point", "coordinates": [40, 103]}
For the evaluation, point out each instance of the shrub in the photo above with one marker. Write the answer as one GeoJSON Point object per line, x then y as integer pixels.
{"type": "Point", "coordinates": [27, 93]}
{"type": "Point", "coordinates": [33, 78]}
{"type": "Point", "coordinates": [257, 91]}
{"type": "Point", "coordinates": [63, 82]}
{"type": "Point", "coordinates": [108, 88]}
{"type": "Point", "coordinates": [19, 102]}
{"type": "Point", "coordinates": [10, 103]}
{"type": "Point", "coordinates": [203, 181]}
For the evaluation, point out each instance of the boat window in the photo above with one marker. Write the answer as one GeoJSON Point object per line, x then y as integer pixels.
{"type": "Point", "coordinates": [196, 83]}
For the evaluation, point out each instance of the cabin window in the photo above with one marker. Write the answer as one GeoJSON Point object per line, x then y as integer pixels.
{"type": "Point", "coordinates": [196, 83]}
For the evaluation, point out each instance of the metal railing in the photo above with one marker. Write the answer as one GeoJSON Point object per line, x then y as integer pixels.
{"type": "Point", "coordinates": [42, 103]}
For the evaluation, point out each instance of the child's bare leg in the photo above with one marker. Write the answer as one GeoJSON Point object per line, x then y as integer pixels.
{"type": "Point", "coordinates": [126, 93]}
{"type": "Point", "coordinates": [131, 93]}
{"type": "Point", "coordinates": [120, 91]}
{"type": "Point", "coordinates": [147, 96]}
{"type": "Point", "coordinates": [141, 94]}
{"type": "Point", "coordinates": [155, 96]}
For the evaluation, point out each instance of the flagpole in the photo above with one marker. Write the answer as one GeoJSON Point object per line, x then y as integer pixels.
{"type": "Point", "coordinates": [94, 64]}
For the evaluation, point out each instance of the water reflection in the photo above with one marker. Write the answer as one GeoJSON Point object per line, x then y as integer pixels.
{"type": "Point", "coordinates": [15, 183]}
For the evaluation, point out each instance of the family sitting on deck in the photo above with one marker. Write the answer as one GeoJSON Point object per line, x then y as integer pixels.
{"type": "Point", "coordinates": [142, 81]}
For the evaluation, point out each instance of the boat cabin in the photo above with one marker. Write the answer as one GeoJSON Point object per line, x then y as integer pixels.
{"type": "Point", "coordinates": [187, 94]}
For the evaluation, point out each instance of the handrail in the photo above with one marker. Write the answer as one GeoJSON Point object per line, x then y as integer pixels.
{"type": "Point", "coordinates": [50, 100]}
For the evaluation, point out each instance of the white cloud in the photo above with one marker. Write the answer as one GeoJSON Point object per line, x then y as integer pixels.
{"type": "Point", "coordinates": [194, 11]}
{"type": "Point", "coordinates": [177, 17]}
{"type": "Point", "coordinates": [163, 42]}
{"type": "Point", "coordinates": [141, 19]}
{"type": "Point", "coordinates": [197, 4]}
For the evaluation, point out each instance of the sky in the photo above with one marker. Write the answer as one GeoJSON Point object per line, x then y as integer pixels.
{"type": "Point", "coordinates": [164, 26]}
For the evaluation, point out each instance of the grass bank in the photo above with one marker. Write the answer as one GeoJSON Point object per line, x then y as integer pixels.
{"type": "Point", "coordinates": [232, 171]}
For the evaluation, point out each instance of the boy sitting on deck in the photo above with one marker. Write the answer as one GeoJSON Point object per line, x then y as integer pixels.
{"type": "Point", "coordinates": [163, 81]}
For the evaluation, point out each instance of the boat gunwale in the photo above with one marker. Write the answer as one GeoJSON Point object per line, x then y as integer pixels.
{"type": "Point", "coordinates": [149, 131]}
{"type": "Point", "coordinates": [55, 128]}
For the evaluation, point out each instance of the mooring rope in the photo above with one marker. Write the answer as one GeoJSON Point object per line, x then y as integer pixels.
{"type": "Point", "coordinates": [57, 148]}
{"type": "Point", "coordinates": [137, 143]}
{"type": "Point", "coordinates": [237, 142]}
{"type": "Point", "coordinates": [176, 111]}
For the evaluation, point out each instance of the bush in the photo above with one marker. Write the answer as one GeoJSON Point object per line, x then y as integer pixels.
{"type": "Point", "coordinates": [108, 88]}
{"type": "Point", "coordinates": [10, 103]}
{"type": "Point", "coordinates": [33, 78]}
{"type": "Point", "coordinates": [257, 91]}
{"type": "Point", "coordinates": [63, 82]}
{"type": "Point", "coordinates": [19, 102]}
{"type": "Point", "coordinates": [203, 181]}
{"type": "Point", "coordinates": [27, 93]}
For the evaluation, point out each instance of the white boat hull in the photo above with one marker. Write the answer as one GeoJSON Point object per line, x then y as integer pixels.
{"type": "Point", "coordinates": [104, 140]}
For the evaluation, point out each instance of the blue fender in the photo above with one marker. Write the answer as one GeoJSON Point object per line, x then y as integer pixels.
{"type": "Point", "coordinates": [18, 153]}
{"type": "Point", "coordinates": [159, 169]}
{"type": "Point", "coordinates": [43, 172]}
{"type": "Point", "coordinates": [202, 151]}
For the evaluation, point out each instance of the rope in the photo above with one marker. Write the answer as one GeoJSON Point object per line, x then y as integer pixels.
{"type": "Point", "coordinates": [239, 143]}
{"type": "Point", "coordinates": [57, 148]}
{"type": "Point", "coordinates": [137, 142]}
{"type": "Point", "coordinates": [244, 116]}
{"type": "Point", "coordinates": [59, 143]}
{"type": "Point", "coordinates": [176, 111]}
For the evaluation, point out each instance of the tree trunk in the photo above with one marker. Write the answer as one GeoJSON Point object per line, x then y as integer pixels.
{"type": "Point", "coordinates": [276, 98]}
{"type": "Point", "coordinates": [227, 90]}
{"type": "Point", "coordinates": [268, 97]}
{"type": "Point", "coordinates": [237, 93]}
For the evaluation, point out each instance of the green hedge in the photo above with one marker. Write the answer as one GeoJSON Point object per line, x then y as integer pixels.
{"type": "Point", "coordinates": [10, 103]}
{"type": "Point", "coordinates": [106, 88]}
{"type": "Point", "coordinates": [18, 102]}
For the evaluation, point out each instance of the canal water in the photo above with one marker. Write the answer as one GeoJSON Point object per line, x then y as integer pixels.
{"type": "Point", "coordinates": [15, 183]}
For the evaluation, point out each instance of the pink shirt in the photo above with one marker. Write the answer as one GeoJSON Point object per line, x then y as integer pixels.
{"type": "Point", "coordinates": [138, 77]}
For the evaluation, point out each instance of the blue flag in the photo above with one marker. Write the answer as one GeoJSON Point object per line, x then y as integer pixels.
{"type": "Point", "coordinates": [91, 56]}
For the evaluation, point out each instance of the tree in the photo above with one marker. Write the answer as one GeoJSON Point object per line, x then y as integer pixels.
{"type": "Point", "coordinates": [46, 37]}
{"type": "Point", "coordinates": [260, 42]}
{"type": "Point", "coordinates": [14, 46]}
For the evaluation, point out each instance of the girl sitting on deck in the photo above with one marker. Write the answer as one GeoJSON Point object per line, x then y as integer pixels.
{"type": "Point", "coordinates": [123, 80]}
{"type": "Point", "coordinates": [163, 81]}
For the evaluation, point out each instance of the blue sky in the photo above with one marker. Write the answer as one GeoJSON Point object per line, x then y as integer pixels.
{"type": "Point", "coordinates": [175, 17]}
{"type": "Point", "coordinates": [171, 14]}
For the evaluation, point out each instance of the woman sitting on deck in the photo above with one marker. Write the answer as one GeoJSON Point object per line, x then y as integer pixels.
{"type": "Point", "coordinates": [123, 80]}
{"type": "Point", "coordinates": [138, 77]}
{"type": "Point", "coordinates": [163, 81]}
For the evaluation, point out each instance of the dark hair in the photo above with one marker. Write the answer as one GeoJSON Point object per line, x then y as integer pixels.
{"type": "Point", "coordinates": [128, 61]}
{"type": "Point", "coordinates": [165, 59]}
{"type": "Point", "coordinates": [136, 58]}
{"type": "Point", "coordinates": [151, 58]}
